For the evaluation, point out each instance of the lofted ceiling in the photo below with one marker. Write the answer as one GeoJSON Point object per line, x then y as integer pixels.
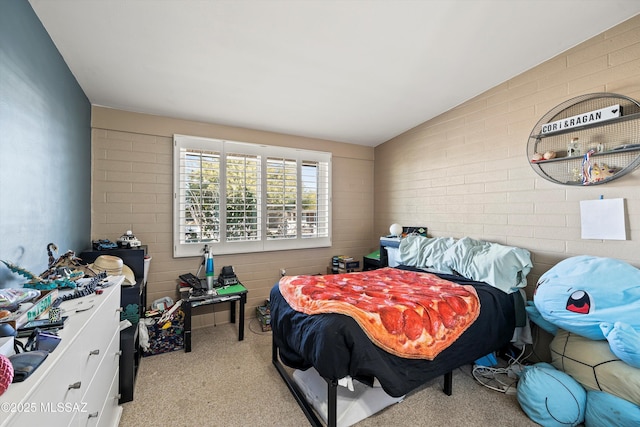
{"type": "Point", "coordinates": [357, 71]}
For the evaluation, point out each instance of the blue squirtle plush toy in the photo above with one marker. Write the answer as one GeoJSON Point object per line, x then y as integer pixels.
{"type": "Point", "coordinates": [598, 298]}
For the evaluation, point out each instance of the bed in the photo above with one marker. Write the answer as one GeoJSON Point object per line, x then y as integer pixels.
{"type": "Point", "coordinates": [337, 347]}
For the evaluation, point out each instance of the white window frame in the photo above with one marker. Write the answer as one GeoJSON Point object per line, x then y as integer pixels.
{"type": "Point", "coordinates": [182, 249]}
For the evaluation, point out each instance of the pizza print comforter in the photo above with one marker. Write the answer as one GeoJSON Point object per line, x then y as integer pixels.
{"type": "Point", "coordinates": [409, 314]}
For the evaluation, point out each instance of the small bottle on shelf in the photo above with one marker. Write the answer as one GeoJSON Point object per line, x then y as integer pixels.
{"type": "Point", "coordinates": [573, 148]}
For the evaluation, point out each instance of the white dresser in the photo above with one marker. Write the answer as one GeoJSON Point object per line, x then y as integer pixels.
{"type": "Point", "coordinates": [77, 385]}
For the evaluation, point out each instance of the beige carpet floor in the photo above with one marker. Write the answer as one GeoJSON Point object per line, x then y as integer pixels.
{"type": "Point", "coordinates": [225, 382]}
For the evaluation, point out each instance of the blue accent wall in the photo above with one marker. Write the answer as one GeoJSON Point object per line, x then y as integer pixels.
{"type": "Point", "coordinates": [45, 147]}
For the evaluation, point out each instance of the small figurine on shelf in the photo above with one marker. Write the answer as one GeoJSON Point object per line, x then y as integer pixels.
{"type": "Point", "coordinates": [587, 168]}
{"type": "Point", "coordinates": [573, 148]}
{"type": "Point", "coordinates": [600, 173]}
{"type": "Point", "coordinates": [548, 155]}
{"type": "Point", "coordinates": [128, 240]}
{"type": "Point", "coordinates": [536, 157]}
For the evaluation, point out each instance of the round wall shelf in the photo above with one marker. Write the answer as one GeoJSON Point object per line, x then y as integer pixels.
{"type": "Point", "coordinates": [588, 140]}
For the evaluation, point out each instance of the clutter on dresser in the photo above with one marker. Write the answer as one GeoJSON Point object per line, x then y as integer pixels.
{"type": "Point", "coordinates": [11, 298]}
{"type": "Point", "coordinates": [28, 309]}
{"type": "Point", "coordinates": [25, 364]}
{"type": "Point", "coordinates": [62, 271]}
{"type": "Point", "coordinates": [28, 356]}
{"type": "Point", "coordinates": [69, 278]}
{"type": "Point", "coordinates": [31, 331]}
{"type": "Point", "coordinates": [40, 282]}
{"type": "Point", "coordinates": [37, 325]}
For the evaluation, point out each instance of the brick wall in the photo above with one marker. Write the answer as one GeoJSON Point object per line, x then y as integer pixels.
{"type": "Point", "coordinates": [466, 172]}
{"type": "Point", "coordinates": [132, 189]}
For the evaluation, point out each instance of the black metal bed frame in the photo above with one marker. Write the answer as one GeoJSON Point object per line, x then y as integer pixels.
{"type": "Point", "coordinates": [332, 392]}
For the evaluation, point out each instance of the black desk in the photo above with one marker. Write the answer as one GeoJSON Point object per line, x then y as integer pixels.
{"type": "Point", "coordinates": [230, 294]}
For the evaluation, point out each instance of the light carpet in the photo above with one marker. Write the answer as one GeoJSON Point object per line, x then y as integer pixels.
{"type": "Point", "coordinates": [225, 382]}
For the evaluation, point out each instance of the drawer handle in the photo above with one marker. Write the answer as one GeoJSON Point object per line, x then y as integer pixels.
{"type": "Point", "coordinates": [93, 415]}
{"type": "Point", "coordinates": [119, 353]}
{"type": "Point", "coordinates": [94, 352]}
{"type": "Point", "coordinates": [75, 385]}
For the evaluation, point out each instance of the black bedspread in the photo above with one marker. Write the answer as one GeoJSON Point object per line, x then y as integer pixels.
{"type": "Point", "coordinates": [336, 346]}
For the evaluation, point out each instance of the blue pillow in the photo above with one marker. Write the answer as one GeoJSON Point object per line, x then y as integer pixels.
{"type": "Point", "coordinates": [605, 410]}
{"type": "Point", "coordinates": [550, 397]}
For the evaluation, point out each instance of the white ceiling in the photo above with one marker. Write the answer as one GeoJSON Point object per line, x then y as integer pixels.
{"type": "Point", "coordinates": [358, 71]}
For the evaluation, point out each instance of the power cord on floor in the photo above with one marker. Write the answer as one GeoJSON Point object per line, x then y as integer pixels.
{"type": "Point", "coordinates": [500, 379]}
{"type": "Point", "coordinates": [536, 338]}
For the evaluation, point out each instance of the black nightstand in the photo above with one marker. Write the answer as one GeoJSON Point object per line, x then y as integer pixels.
{"type": "Point", "coordinates": [132, 297]}
{"type": "Point", "coordinates": [371, 261]}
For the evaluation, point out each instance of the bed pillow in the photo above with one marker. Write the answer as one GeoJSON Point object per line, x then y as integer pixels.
{"type": "Point", "coordinates": [504, 267]}
{"type": "Point", "coordinates": [550, 397]}
{"type": "Point", "coordinates": [458, 257]}
{"type": "Point", "coordinates": [426, 252]}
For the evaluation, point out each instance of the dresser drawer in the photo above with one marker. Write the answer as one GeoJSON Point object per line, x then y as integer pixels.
{"type": "Point", "coordinates": [101, 379]}
{"type": "Point", "coordinates": [55, 400]}
{"type": "Point", "coordinates": [100, 390]}
{"type": "Point", "coordinates": [97, 335]}
{"type": "Point", "coordinates": [107, 413]}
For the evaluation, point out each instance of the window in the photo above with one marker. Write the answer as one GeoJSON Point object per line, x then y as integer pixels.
{"type": "Point", "coordinates": [238, 197]}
